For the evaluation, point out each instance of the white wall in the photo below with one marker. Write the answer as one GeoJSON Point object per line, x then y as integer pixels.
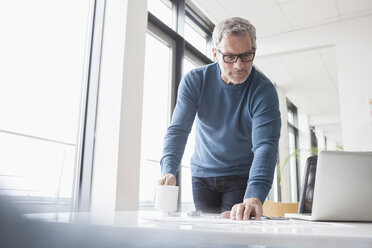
{"type": "Point", "coordinates": [352, 40]}
{"type": "Point", "coordinates": [320, 138]}
{"type": "Point", "coordinates": [304, 140]}
{"type": "Point", "coordinates": [116, 165]}
{"type": "Point", "coordinates": [331, 145]}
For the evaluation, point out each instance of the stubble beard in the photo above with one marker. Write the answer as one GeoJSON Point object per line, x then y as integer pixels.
{"type": "Point", "coordinates": [231, 80]}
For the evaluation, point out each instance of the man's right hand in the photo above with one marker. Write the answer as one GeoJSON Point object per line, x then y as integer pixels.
{"type": "Point", "coordinates": [168, 179]}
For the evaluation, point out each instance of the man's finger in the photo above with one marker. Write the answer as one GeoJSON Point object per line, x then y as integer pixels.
{"type": "Point", "coordinates": [161, 181]}
{"type": "Point", "coordinates": [225, 215]}
{"type": "Point", "coordinates": [233, 212]}
{"type": "Point", "coordinates": [247, 212]}
{"type": "Point", "coordinates": [258, 213]}
{"type": "Point", "coordinates": [170, 180]}
{"type": "Point", "coordinates": [240, 211]}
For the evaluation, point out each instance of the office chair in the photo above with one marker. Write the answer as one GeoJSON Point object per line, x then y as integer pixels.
{"type": "Point", "coordinates": [278, 209]}
{"type": "Point", "coordinates": [308, 182]}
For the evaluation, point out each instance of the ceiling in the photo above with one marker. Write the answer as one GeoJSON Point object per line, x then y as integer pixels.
{"type": "Point", "coordinates": [293, 71]}
{"type": "Point", "coordinates": [272, 17]}
{"type": "Point", "coordinates": [315, 93]}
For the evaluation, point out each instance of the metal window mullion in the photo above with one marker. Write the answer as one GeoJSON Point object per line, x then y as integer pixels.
{"type": "Point", "coordinates": [195, 52]}
{"type": "Point", "coordinates": [180, 50]}
{"type": "Point", "coordinates": [83, 188]}
{"type": "Point", "coordinates": [177, 35]}
{"type": "Point", "coordinates": [297, 163]}
{"type": "Point", "coordinates": [198, 24]}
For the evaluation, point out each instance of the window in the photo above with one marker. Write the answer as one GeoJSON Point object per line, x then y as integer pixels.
{"type": "Point", "coordinates": [189, 63]}
{"type": "Point", "coordinates": [44, 59]}
{"type": "Point", "coordinates": [163, 10]}
{"type": "Point", "coordinates": [155, 115]}
{"type": "Point", "coordinates": [293, 151]}
{"type": "Point", "coordinates": [168, 58]}
{"type": "Point", "coordinates": [198, 30]}
{"type": "Point", "coordinates": [195, 35]}
{"type": "Point", "coordinates": [313, 140]}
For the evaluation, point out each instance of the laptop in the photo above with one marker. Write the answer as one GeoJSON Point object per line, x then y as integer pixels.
{"type": "Point", "coordinates": [343, 188]}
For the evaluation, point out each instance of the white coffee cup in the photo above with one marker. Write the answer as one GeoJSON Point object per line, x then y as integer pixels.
{"type": "Point", "coordinates": [166, 198]}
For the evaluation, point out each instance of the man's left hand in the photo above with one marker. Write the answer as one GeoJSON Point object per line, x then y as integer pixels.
{"type": "Point", "coordinates": [243, 211]}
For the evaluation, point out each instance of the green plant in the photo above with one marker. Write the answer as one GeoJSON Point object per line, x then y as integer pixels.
{"type": "Point", "coordinates": [295, 154]}
{"type": "Point", "coordinates": [339, 148]}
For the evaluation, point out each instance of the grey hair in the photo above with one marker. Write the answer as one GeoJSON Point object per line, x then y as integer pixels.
{"type": "Point", "coordinates": [234, 26]}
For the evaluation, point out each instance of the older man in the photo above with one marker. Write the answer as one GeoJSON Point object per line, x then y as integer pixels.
{"type": "Point", "coordinates": [237, 127]}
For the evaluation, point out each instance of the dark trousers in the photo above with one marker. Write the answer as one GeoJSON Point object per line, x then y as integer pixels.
{"type": "Point", "coordinates": [218, 194]}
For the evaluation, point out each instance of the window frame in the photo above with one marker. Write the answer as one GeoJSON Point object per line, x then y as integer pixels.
{"type": "Point", "coordinates": [293, 127]}
{"type": "Point", "coordinates": [182, 48]}
{"type": "Point", "coordinates": [86, 142]}
{"type": "Point", "coordinates": [83, 158]}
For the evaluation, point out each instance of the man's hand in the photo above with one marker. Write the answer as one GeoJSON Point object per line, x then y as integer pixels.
{"type": "Point", "coordinates": [243, 211]}
{"type": "Point", "coordinates": [168, 179]}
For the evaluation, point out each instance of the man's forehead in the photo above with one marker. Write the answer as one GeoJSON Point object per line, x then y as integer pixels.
{"type": "Point", "coordinates": [228, 36]}
{"type": "Point", "coordinates": [230, 43]}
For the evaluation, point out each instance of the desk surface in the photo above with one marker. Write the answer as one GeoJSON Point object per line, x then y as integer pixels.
{"type": "Point", "coordinates": [214, 230]}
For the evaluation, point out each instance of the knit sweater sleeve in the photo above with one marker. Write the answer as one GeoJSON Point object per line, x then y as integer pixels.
{"type": "Point", "coordinates": [181, 124]}
{"type": "Point", "coordinates": [266, 124]}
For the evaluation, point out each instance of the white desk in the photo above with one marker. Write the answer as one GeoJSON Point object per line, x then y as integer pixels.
{"type": "Point", "coordinates": [211, 231]}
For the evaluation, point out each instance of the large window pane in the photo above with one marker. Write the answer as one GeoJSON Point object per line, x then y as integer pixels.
{"type": "Point", "coordinates": [162, 9]}
{"type": "Point", "coordinates": [166, 68]}
{"type": "Point", "coordinates": [43, 55]}
{"type": "Point", "coordinates": [188, 65]}
{"type": "Point", "coordinates": [197, 37]}
{"type": "Point", "coordinates": [293, 150]}
{"type": "Point", "coordinates": [292, 165]}
{"type": "Point", "coordinates": [186, 196]}
{"type": "Point", "coordinates": [155, 116]}
{"type": "Point", "coordinates": [290, 117]}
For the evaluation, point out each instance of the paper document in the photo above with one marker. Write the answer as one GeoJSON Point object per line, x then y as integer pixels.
{"type": "Point", "coordinates": [216, 220]}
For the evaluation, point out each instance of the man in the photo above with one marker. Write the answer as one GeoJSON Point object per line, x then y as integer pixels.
{"type": "Point", "coordinates": [237, 127]}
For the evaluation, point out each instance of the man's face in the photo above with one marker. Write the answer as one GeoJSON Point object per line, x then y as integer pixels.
{"type": "Point", "coordinates": [238, 72]}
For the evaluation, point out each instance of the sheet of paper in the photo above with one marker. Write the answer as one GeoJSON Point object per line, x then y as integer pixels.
{"type": "Point", "coordinates": [216, 220]}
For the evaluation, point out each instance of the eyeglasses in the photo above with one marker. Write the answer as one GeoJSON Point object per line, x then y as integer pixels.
{"type": "Point", "coordinates": [232, 58]}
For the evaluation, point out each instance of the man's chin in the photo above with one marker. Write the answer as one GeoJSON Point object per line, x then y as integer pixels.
{"type": "Point", "coordinates": [238, 80]}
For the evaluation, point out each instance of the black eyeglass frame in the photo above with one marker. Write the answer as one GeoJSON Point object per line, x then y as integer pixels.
{"type": "Point", "coordinates": [237, 56]}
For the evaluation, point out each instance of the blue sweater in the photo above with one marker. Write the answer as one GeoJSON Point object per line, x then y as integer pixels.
{"type": "Point", "coordinates": [237, 128]}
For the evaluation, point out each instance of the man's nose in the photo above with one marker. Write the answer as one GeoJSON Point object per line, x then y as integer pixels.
{"type": "Point", "coordinates": [239, 64]}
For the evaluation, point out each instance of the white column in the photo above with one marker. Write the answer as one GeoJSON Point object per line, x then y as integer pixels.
{"type": "Point", "coordinates": [304, 141]}
{"type": "Point", "coordinates": [116, 166]}
{"type": "Point", "coordinates": [355, 86]}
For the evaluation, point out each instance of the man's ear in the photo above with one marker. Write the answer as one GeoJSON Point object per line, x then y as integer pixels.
{"type": "Point", "coordinates": [214, 53]}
